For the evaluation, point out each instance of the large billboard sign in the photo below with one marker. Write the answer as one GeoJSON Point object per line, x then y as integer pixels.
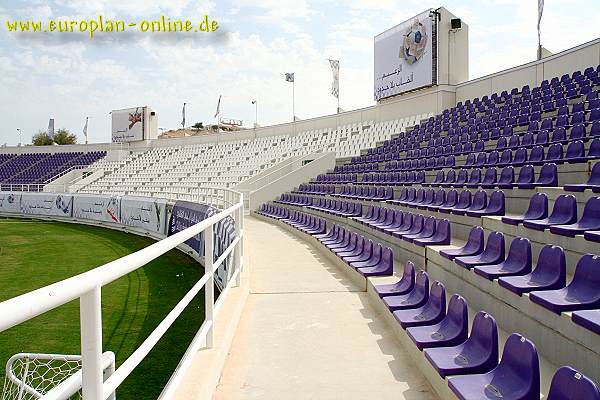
{"type": "Point", "coordinates": [404, 57]}
{"type": "Point", "coordinates": [128, 124]}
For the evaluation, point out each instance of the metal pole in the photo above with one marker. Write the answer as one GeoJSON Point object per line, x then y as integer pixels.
{"type": "Point", "coordinates": [209, 295]}
{"type": "Point", "coordinates": [90, 306]}
{"type": "Point", "coordinates": [294, 100]}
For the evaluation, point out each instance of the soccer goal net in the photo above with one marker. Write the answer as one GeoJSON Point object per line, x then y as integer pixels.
{"type": "Point", "coordinates": [31, 376]}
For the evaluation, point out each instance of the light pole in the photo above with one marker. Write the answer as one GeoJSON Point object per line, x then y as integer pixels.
{"type": "Point", "coordinates": [20, 136]}
{"type": "Point", "coordinates": [255, 102]}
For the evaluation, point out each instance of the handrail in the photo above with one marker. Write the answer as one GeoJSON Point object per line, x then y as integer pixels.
{"type": "Point", "coordinates": [87, 287]}
{"type": "Point", "coordinates": [66, 171]}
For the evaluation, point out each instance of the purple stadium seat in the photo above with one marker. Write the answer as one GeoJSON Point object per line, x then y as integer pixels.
{"type": "Point", "coordinates": [549, 273]}
{"type": "Point", "coordinates": [494, 207]}
{"type": "Point", "coordinates": [575, 152]}
{"type": "Point", "coordinates": [507, 178]}
{"type": "Point", "coordinates": [492, 254]}
{"type": "Point", "coordinates": [473, 246]}
{"type": "Point", "coordinates": [365, 255]}
{"type": "Point", "coordinates": [590, 220]}
{"type": "Point", "coordinates": [489, 179]}
{"type": "Point", "coordinates": [582, 293]}
{"type": "Point", "coordinates": [463, 203]}
{"type": "Point", "coordinates": [374, 258]}
{"type": "Point", "coordinates": [564, 212]}
{"type": "Point", "coordinates": [431, 313]}
{"type": "Point", "coordinates": [593, 181]}
{"type": "Point", "coordinates": [413, 299]}
{"type": "Point", "coordinates": [452, 199]}
{"type": "Point", "coordinates": [461, 178]}
{"type": "Point", "coordinates": [477, 355]}
{"type": "Point", "coordinates": [474, 179]}
{"type": "Point", "coordinates": [538, 209]}
{"type": "Point", "coordinates": [384, 267]}
{"type": "Point", "coordinates": [589, 319]}
{"type": "Point", "coordinates": [569, 384]}
{"type": "Point", "coordinates": [548, 177]}
{"type": "Point", "coordinates": [526, 175]}
{"type": "Point", "coordinates": [403, 286]}
{"type": "Point", "coordinates": [442, 235]}
{"type": "Point", "coordinates": [427, 231]}
{"type": "Point", "coordinates": [517, 376]}
{"type": "Point", "coordinates": [451, 331]}
{"type": "Point", "coordinates": [478, 203]}
{"type": "Point", "coordinates": [518, 261]}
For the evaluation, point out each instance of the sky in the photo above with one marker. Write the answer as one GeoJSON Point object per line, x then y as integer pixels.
{"type": "Point", "coordinates": [68, 76]}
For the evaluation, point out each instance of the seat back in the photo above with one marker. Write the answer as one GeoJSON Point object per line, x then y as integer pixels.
{"type": "Point", "coordinates": [569, 384]}
{"type": "Point", "coordinates": [565, 210]}
{"type": "Point", "coordinates": [520, 357]}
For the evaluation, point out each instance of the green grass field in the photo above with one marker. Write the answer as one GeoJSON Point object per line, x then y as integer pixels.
{"type": "Point", "coordinates": [34, 254]}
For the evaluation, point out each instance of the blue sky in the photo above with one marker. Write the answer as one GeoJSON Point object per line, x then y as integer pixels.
{"type": "Point", "coordinates": [68, 77]}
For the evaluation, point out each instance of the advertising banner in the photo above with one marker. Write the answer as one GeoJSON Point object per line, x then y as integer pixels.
{"type": "Point", "coordinates": [404, 57]}
{"type": "Point", "coordinates": [50, 204]}
{"type": "Point", "coordinates": [97, 207]}
{"type": "Point", "coordinates": [128, 124]}
{"type": "Point", "coordinates": [10, 202]}
{"type": "Point", "coordinates": [186, 214]}
{"type": "Point", "coordinates": [144, 212]}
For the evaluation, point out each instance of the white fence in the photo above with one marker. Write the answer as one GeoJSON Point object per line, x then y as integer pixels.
{"type": "Point", "coordinates": [87, 287]}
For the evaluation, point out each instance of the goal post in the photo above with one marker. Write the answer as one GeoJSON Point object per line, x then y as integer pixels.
{"type": "Point", "coordinates": [32, 376]}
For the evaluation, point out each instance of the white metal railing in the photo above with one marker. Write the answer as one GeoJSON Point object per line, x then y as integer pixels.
{"type": "Point", "coordinates": [66, 171]}
{"type": "Point", "coordinates": [87, 287]}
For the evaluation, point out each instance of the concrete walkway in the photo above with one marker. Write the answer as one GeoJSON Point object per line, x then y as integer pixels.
{"type": "Point", "coordinates": [306, 332]}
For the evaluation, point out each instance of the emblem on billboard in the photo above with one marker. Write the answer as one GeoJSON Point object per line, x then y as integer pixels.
{"type": "Point", "coordinates": [135, 117]}
{"type": "Point", "coordinates": [415, 40]}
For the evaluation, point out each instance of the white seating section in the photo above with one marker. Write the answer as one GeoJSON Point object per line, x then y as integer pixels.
{"type": "Point", "coordinates": [180, 169]}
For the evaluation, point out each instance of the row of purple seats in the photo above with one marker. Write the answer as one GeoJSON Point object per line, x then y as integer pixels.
{"type": "Point", "coordinates": [526, 115]}
{"type": "Point", "coordinates": [475, 141]}
{"type": "Point", "coordinates": [273, 211]}
{"type": "Point", "coordinates": [537, 155]}
{"type": "Point", "coordinates": [421, 163]}
{"type": "Point", "coordinates": [294, 200]}
{"type": "Point", "coordinates": [465, 203]}
{"type": "Point", "coordinates": [442, 332]}
{"type": "Point", "coordinates": [575, 153]}
{"type": "Point", "coordinates": [336, 178]}
{"type": "Point", "coordinates": [307, 188]}
{"type": "Point", "coordinates": [394, 178]}
{"type": "Point", "coordinates": [546, 283]}
{"type": "Point", "coordinates": [370, 193]}
{"type": "Point", "coordinates": [521, 107]}
{"type": "Point", "coordinates": [351, 168]}
{"type": "Point", "coordinates": [490, 178]}
{"type": "Point", "coordinates": [543, 137]}
{"type": "Point", "coordinates": [413, 228]}
{"type": "Point", "coordinates": [471, 361]}
{"type": "Point", "coordinates": [563, 219]}
{"type": "Point", "coordinates": [339, 208]}
{"type": "Point", "coordinates": [358, 252]}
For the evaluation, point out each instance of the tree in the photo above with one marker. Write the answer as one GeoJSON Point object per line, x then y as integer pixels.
{"type": "Point", "coordinates": [63, 136]}
{"type": "Point", "coordinates": [198, 125]}
{"type": "Point", "coordinates": [41, 139]}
